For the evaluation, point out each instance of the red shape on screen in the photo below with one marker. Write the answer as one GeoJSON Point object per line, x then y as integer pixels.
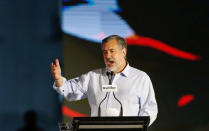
{"type": "Point", "coordinates": [71, 113]}
{"type": "Point", "coordinates": [149, 42]}
{"type": "Point", "coordinates": [185, 100]}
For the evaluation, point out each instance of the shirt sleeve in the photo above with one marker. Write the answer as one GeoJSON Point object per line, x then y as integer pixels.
{"type": "Point", "coordinates": [74, 89]}
{"type": "Point", "coordinates": [148, 102]}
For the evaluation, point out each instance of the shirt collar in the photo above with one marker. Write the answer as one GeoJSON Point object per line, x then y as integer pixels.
{"type": "Point", "coordinates": [125, 71]}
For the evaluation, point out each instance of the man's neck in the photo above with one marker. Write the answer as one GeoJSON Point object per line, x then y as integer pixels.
{"type": "Point", "coordinates": [122, 68]}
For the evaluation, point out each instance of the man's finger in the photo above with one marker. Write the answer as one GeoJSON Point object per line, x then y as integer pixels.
{"type": "Point", "coordinates": [57, 62]}
{"type": "Point", "coordinates": [52, 65]}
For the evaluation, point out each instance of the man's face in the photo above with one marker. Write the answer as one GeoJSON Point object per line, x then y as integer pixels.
{"type": "Point", "coordinates": [114, 56]}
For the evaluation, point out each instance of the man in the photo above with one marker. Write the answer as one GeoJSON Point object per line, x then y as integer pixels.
{"type": "Point", "coordinates": [134, 87]}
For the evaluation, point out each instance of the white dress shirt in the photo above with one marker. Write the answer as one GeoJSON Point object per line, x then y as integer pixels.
{"type": "Point", "coordinates": [135, 91]}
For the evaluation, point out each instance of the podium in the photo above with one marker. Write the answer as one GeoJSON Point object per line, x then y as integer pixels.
{"type": "Point", "coordinates": [126, 123]}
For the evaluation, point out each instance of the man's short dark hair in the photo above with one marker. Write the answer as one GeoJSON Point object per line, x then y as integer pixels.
{"type": "Point", "coordinates": [121, 41]}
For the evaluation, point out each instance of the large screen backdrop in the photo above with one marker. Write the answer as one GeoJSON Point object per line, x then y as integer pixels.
{"type": "Point", "coordinates": [168, 40]}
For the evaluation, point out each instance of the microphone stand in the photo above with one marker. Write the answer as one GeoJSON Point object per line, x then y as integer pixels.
{"type": "Point", "coordinates": [110, 82]}
{"type": "Point", "coordinates": [110, 77]}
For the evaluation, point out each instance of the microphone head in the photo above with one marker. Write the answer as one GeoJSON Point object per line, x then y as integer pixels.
{"type": "Point", "coordinates": [111, 73]}
{"type": "Point", "coordinates": [107, 73]}
{"type": "Point", "coordinates": [110, 76]}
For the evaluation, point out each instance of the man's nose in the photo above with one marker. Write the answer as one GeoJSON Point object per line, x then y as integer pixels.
{"type": "Point", "coordinates": [108, 55]}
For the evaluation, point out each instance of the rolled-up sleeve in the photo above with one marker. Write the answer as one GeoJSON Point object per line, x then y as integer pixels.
{"type": "Point", "coordinates": [74, 89]}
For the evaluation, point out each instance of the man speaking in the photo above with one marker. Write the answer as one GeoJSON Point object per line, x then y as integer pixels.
{"type": "Point", "coordinates": [110, 90]}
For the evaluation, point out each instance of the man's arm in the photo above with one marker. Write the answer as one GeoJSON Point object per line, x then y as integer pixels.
{"type": "Point", "coordinates": [148, 102]}
{"type": "Point", "coordinates": [73, 89]}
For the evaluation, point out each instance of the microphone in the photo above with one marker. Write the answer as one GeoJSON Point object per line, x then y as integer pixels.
{"type": "Point", "coordinates": [110, 77]}
{"type": "Point", "coordinates": [99, 110]}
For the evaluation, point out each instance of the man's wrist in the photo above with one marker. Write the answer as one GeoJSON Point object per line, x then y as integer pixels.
{"type": "Point", "coordinates": [60, 78]}
{"type": "Point", "coordinates": [59, 82]}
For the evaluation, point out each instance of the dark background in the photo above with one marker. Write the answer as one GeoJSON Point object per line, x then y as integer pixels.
{"type": "Point", "coordinates": [29, 41]}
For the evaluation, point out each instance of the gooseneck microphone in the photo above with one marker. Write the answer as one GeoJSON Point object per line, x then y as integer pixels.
{"type": "Point", "coordinates": [110, 77]}
{"type": "Point", "coordinates": [121, 107]}
{"type": "Point", "coordinates": [99, 110]}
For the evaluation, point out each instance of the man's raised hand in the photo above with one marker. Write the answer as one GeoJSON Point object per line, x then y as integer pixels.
{"type": "Point", "coordinates": [56, 73]}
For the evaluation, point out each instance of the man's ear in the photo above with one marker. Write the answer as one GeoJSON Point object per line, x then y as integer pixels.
{"type": "Point", "coordinates": [124, 51]}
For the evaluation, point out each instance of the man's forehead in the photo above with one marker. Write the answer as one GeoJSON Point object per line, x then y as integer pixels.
{"type": "Point", "coordinates": [112, 44]}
